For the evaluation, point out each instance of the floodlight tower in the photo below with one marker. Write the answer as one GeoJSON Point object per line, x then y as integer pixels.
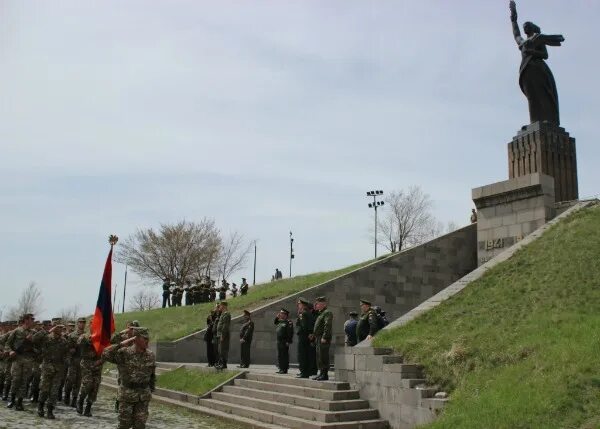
{"type": "Point", "coordinates": [374, 205]}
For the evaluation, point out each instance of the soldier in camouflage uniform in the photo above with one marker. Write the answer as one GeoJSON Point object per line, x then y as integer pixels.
{"type": "Point", "coordinates": [36, 372]}
{"type": "Point", "coordinates": [19, 346]}
{"type": "Point", "coordinates": [73, 379]}
{"type": "Point", "coordinates": [367, 325]}
{"type": "Point", "coordinates": [116, 339]}
{"type": "Point", "coordinates": [55, 350]}
{"type": "Point", "coordinates": [4, 330]}
{"type": "Point", "coordinates": [91, 374]}
{"type": "Point", "coordinates": [322, 335]}
{"type": "Point", "coordinates": [136, 365]}
{"type": "Point", "coordinates": [10, 326]}
{"type": "Point", "coordinates": [223, 335]}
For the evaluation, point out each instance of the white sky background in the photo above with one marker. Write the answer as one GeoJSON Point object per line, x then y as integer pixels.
{"type": "Point", "coordinates": [266, 116]}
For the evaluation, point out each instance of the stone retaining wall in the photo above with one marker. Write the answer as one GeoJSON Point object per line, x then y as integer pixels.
{"type": "Point", "coordinates": [397, 283]}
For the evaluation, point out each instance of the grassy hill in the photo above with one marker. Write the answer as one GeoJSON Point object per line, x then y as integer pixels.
{"type": "Point", "coordinates": [168, 324]}
{"type": "Point", "coordinates": [520, 347]}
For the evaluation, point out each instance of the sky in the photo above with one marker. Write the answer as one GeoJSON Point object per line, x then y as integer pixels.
{"type": "Point", "coordinates": [268, 116]}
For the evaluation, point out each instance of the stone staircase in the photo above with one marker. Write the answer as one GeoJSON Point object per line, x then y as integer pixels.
{"type": "Point", "coordinates": [283, 401]}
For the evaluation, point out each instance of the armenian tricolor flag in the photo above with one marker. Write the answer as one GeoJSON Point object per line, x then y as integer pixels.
{"type": "Point", "coordinates": [103, 323]}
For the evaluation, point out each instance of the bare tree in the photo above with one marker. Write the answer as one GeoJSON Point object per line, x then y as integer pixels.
{"type": "Point", "coordinates": [452, 226]}
{"type": "Point", "coordinates": [69, 313]}
{"type": "Point", "coordinates": [29, 302]}
{"type": "Point", "coordinates": [144, 300]}
{"type": "Point", "coordinates": [176, 251]}
{"type": "Point", "coordinates": [408, 220]}
{"type": "Point", "coordinates": [233, 254]}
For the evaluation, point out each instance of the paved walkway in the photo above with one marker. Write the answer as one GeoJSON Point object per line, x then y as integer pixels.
{"type": "Point", "coordinates": [259, 369]}
{"type": "Point", "coordinates": [161, 417]}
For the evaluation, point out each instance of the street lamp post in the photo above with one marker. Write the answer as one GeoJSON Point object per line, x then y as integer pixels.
{"type": "Point", "coordinates": [374, 205]}
{"type": "Point", "coordinates": [291, 252]}
{"type": "Point", "coordinates": [254, 277]}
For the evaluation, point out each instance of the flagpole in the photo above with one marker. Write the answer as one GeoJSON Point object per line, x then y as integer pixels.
{"type": "Point", "coordinates": [124, 290]}
{"type": "Point", "coordinates": [115, 296]}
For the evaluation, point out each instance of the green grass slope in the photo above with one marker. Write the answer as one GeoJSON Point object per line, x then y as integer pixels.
{"type": "Point", "coordinates": [520, 347]}
{"type": "Point", "coordinates": [194, 381]}
{"type": "Point", "coordinates": [167, 324]}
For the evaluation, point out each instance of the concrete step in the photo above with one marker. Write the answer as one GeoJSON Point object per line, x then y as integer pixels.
{"type": "Point", "coordinates": [405, 369]}
{"type": "Point", "coordinates": [296, 411]}
{"type": "Point", "coordinates": [410, 383]}
{"type": "Point", "coordinates": [283, 420]}
{"type": "Point", "coordinates": [392, 359]}
{"type": "Point", "coordinates": [329, 395]}
{"type": "Point", "coordinates": [301, 401]}
{"type": "Point", "coordinates": [304, 382]}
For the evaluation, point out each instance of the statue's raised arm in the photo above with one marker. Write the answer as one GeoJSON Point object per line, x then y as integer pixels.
{"type": "Point", "coordinates": [515, 25]}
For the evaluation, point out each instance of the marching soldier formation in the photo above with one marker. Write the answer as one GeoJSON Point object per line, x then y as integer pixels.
{"type": "Point", "coordinates": [52, 361]}
{"type": "Point", "coordinates": [199, 291]}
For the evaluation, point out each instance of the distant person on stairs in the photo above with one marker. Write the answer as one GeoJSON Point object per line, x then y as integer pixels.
{"type": "Point", "coordinates": [368, 324]}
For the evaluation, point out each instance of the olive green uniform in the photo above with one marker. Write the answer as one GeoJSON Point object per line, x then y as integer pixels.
{"type": "Point", "coordinates": [367, 325]}
{"type": "Point", "coordinates": [20, 342]}
{"type": "Point", "coordinates": [54, 350]}
{"type": "Point", "coordinates": [223, 337]}
{"type": "Point", "coordinates": [323, 331]}
{"type": "Point", "coordinates": [246, 333]}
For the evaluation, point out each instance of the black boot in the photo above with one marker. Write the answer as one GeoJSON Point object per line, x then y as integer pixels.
{"type": "Point", "coordinates": [67, 398]}
{"type": "Point", "coordinates": [88, 409]}
{"type": "Point", "coordinates": [35, 396]}
{"type": "Point", "coordinates": [317, 377]}
{"type": "Point", "coordinates": [12, 402]}
{"type": "Point", "coordinates": [324, 376]}
{"type": "Point", "coordinates": [50, 412]}
{"type": "Point", "coordinates": [80, 406]}
{"type": "Point", "coordinates": [6, 391]}
{"type": "Point", "coordinates": [19, 405]}
{"type": "Point", "coordinates": [40, 409]}
{"type": "Point", "coordinates": [74, 401]}
{"type": "Point", "coordinates": [116, 405]}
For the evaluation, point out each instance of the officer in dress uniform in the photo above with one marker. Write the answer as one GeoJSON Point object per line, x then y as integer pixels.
{"type": "Point", "coordinates": [285, 335]}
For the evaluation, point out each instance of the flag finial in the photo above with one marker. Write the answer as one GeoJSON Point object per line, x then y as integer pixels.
{"type": "Point", "coordinates": [112, 239]}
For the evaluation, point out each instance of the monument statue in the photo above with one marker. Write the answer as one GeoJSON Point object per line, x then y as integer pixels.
{"type": "Point", "coordinates": [535, 78]}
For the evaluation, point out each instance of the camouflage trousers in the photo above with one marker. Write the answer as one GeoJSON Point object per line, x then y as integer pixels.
{"type": "Point", "coordinates": [5, 374]}
{"type": "Point", "coordinates": [91, 376]}
{"type": "Point", "coordinates": [20, 373]}
{"type": "Point", "coordinates": [52, 376]}
{"type": "Point", "coordinates": [133, 414]}
{"type": "Point", "coordinates": [36, 374]}
{"type": "Point", "coordinates": [73, 378]}
{"type": "Point", "coordinates": [3, 365]}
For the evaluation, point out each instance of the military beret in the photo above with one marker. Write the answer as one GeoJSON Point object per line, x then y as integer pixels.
{"type": "Point", "coordinates": [303, 301]}
{"type": "Point", "coordinates": [141, 332]}
{"type": "Point", "coordinates": [71, 323]}
{"type": "Point", "coordinates": [283, 310]}
{"type": "Point", "coordinates": [246, 312]}
{"type": "Point", "coordinates": [56, 319]}
{"type": "Point", "coordinates": [243, 278]}
{"type": "Point", "coordinates": [321, 299]}
{"type": "Point", "coordinates": [365, 302]}
{"type": "Point", "coordinates": [81, 319]}
{"type": "Point", "coordinates": [353, 313]}
{"type": "Point", "coordinates": [46, 322]}
{"type": "Point", "coordinates": [135, 324]}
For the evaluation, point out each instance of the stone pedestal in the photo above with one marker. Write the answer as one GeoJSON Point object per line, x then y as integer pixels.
{"type": "Point", "coordinates": [508, 211]}
{"type": "Point", "coordinates": [548, 149]}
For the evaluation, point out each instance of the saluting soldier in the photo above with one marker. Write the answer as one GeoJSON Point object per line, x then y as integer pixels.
{"type": "Point", "coordinates": [285, 335]}
{"type": "Point", "coordinates": [91, 374]}
{"type": "Point", "coordinates": [322, 335]}
{"type": "Point", "coordinates": [55, 349]}
{"type": "Point", "coordinates": [367, 325]}
{"type": "Point", "coordinates": [36, 370]}
{"type": "Point", "coordinates": [223, 335]}
{"type": "Point", "coordinates": [116, 339]}
{"type": "Point", "coordinates": [136, 364]}
{"type": "Point", "coordinates": [20, 349]}
{"type": "Point", "coordinates": [11, 326]}
{"type": "Point", "coordinates": [304, 328]}
{"type": "Point", "coordinates": [73, 380]}
{"type": "Point", "coordinates": [246, 333]}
